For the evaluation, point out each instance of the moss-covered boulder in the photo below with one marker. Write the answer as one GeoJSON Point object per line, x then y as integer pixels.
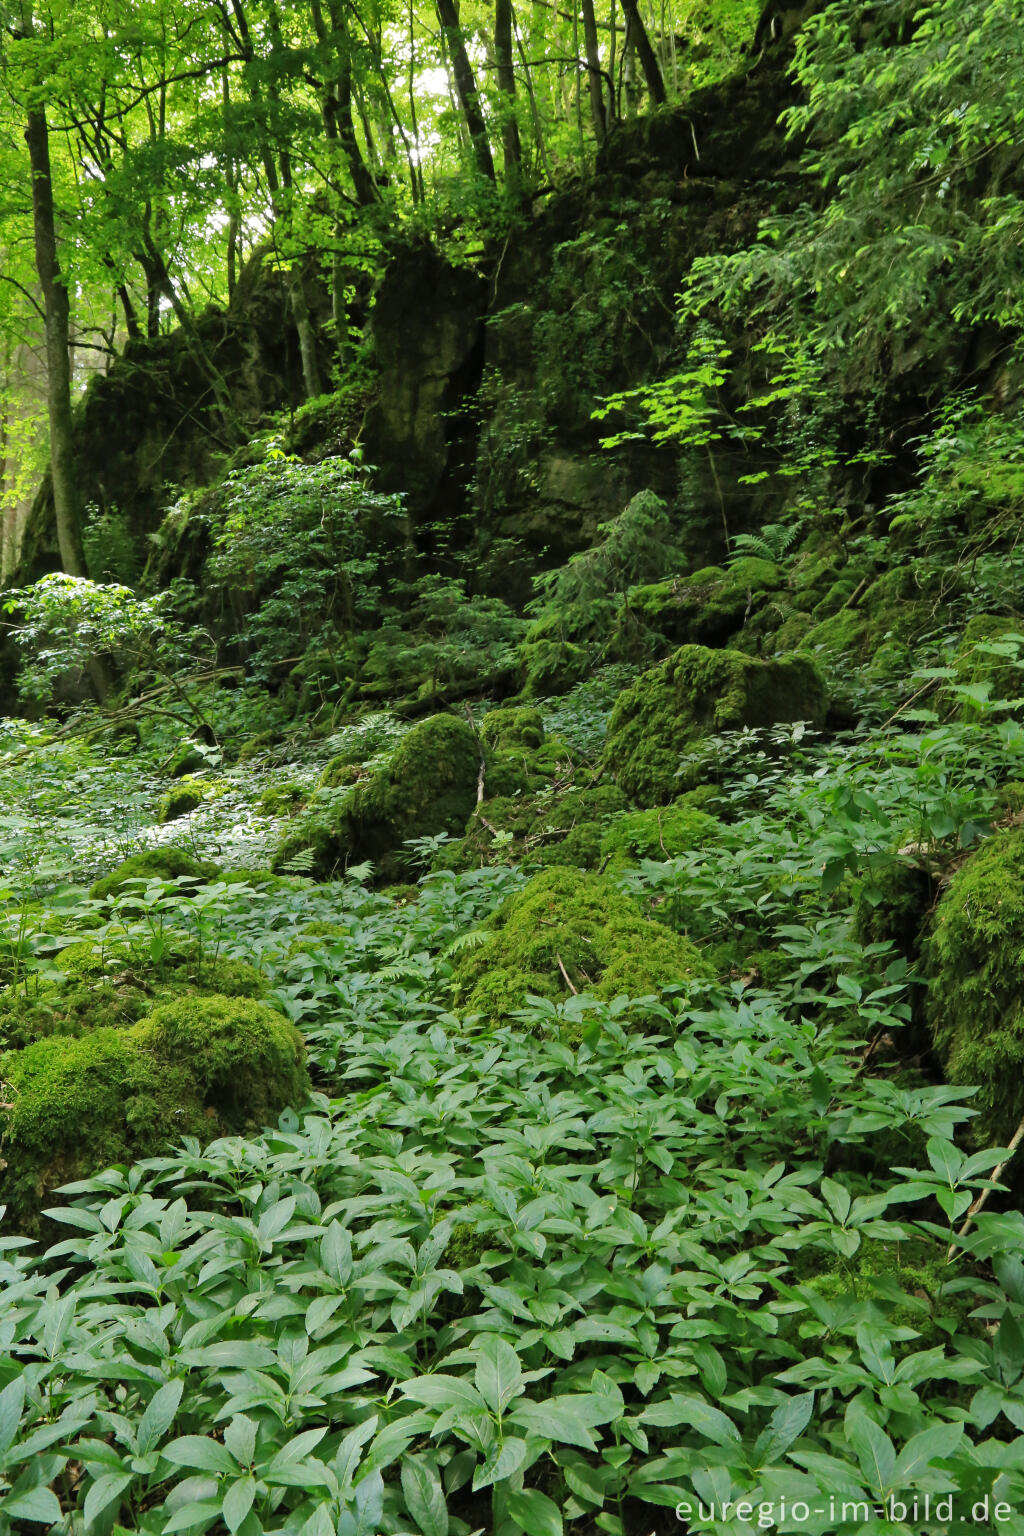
{"type": "Point", "coordinates": [203, 1066]}
{"type": "Point", "coordinates": [283, 799]}
{"type": "Point", "coordinates": [153, 864]}
{"type": "Point", "coordinates": [697, 692]}
{"type": "Point", "coordinates": [566, 929]}
{"type": "Point", "coordinates": [566, 826]}
{"type": "Point", "coordinates": [663, 832]}
{"type": "Point", "coordinates": [548, 662]}
{"type": "Point", "coordinates": [113, 985]}
{"type": "Point", "coordinates": [972, 962]}
{"type": "Point", "coordinates": [428, 785]}
{"type": "Point", "coordinates": [708, 607]}
{"type": "Point", "coordinates": [186, 796]}
{"type": "Point", "coordinates": [513, 727]}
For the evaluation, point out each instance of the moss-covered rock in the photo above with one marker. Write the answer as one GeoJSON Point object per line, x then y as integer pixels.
{"type": "Point", "coordinates": [708, 607]}
{"type": "Point", "coordinates": [283, 799]}
{"type": "Point", "coordinates": [972, 963]}
{"type": "Point", "coordinates": [153, 864]}
{"type": "Point", "coordinates": [113, 985]}
{"type": "Point", "coordinates": [428, 785]}
{"type": "Point", "coordinates": [551, 827]}
{"type": "Point", "coordinates": [567, 926]}
{"type": "Point", "coordinates": [549, 663]}
{"type": "Point", "coordinates": [989, 676]}
{"type": "Point", "coordinates": [661, 833]}
{"type": "Point", "coordinates": [186, 796]}
{"type": "Point", "coordinates": [202, 1066]}
{"type": "Point", "coordinates": [694, 693]}
{"type": "Point", "coordinates": [516, 726]}
{"type": "Point", "coordinates": [246, 1059]}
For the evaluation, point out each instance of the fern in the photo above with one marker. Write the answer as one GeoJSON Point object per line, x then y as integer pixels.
{"type": "Point", "coordinates": [773, 543]}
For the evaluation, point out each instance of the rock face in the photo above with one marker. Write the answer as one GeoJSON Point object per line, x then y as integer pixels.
{"type": "Point", "coordinates": [567, 923]}
{"type": "Point", "coordinates": [698, 692]}
{"type": "Point", "coordinates": [426, 334]}
{"type": "Point", "coordinates": [972, 964]}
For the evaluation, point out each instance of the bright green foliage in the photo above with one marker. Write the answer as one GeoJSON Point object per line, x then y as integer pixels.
{"type": "Point", "coordinates": [985, 664]}
{"type": "Point", "coordinates": [245, 1059]}
{"type": "Point", "coordinates": [972, 962]}
{"type": "Point", "coordinates": [164, 863]}
{"type": "Point", "coordinates": [427, 786]}
{"type": "Point", "coordinates": [695, 693]}
{"type": "Point", "coordinates": [566, 919]}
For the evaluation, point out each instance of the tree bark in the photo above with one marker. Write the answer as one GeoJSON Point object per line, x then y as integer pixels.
{"type": "Point", "coordinates": [594, 81]}
{"type": "Point", "coordinates": [511, 147]}
{"type": "Point", "coordinates": [645, 52]}
{"type": "Point", "coordinates": [57, 330]}
{"type": "Point", "coordinates": [465, 84]}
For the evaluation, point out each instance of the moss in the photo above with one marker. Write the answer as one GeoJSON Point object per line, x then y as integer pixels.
{"type": "Point", "coordinates": [909, 1282]}
{"type": "Point", "coordinates": [662, 833]}
{"type": "Point", "coordinates": [153, 864]}
{"type": "Point", "coordinates": [567, 923]}
{"type": "Point", "coordinates": [113, 986]}
{"type": "Point", "coordinates": [428, 785]}
{"type": "Point", "coordinates": [186, 796]}
{"type": "Point", "coordinates": [76, 1106]}
{"type": "Point", "coordinates": [340, 772]}
{"type": "Point", "coordinates": [203, 1066]}
{"type": "Point", "coordinates": [189, 760]}
{"type": "Point", "coordinates": [972, 962]}
{"type": "Point", "coordinates": [548, 663]}
{"type": "Point", "coordinates": [695, 693]}
{"type": "Point", "coordinates": [565, 827]}
{"type": "Point", "coordinates": [516, 727]}
{"type": "Point", "coordinates": [247, 1060]}
{"type": "Point", "coordinates": [708, 607]}
{"type": "Point", "coordinates": [283, 799]}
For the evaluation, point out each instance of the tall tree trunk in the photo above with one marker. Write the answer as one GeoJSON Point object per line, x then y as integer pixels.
{"type": "Point", "coordinates": [594, 81]}
{"type": "Point", "coordinates": [465, 84]}
{"type": "Point", "coordinates": [511, 147]}
{"type": "Point", "coordinates": [57, 330]}
{"type": "Point", "coordinates": [645, 52]}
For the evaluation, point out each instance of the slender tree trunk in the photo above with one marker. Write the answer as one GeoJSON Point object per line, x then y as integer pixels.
{"type": "Point", "coordinates": [465, 84]}
{"type": "Point", "coordinates": [511, 147]}
{"type": "Point", "coordinates": [645, 52]}
{"type": "Point", "coordinates": [57, 329]}
{"type": "Point", "coordinates": [594, 80]}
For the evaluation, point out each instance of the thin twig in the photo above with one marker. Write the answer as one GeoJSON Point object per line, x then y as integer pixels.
{"type": "Point", "coordinates": [568, 978]}
{"type": "Point", "coordinates": [982, 1200]}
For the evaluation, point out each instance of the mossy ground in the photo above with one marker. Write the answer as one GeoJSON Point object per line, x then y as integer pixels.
{"type": "Point", "coordinates": [571, 930]}
{"type": "Point", "coordinates": [165, 863]}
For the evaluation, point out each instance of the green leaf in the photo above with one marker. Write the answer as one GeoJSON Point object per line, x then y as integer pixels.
{"type": "Point", "coordinates": [12, 1401]}
{"type": "Point", "coordinates": [499, 1376]}
{"type": "Point", "coordinates": [424, 1496]}
{"type": "Point", "coordinates": [933, 1444]}
{"type": "Point", "coordinates": [535, 1513]}
{"type": "Point", "coordinates": [695, 1412]}
{"type": "Point", "coordinates": [444, 1392]}
{"type": "Point", "coordinates": [199, 1452]}
{"type": "Point", "coordinates": [874, 1449]}
{"type": "Point", "coordinates": [504, 1460]}
{"type": "Point", "coordinates": [786, 1425]}
{"type": "Point", "coordinates": [103, 1492]}
{"type": "Point", "coordinates": [240, 1439]}
{"type": "Point", "coordinates": [238, 1501]}
{"type": "Point", "coordinates": [159, 1415]}
{"type": "Point", "coordinates": [39, 1504]}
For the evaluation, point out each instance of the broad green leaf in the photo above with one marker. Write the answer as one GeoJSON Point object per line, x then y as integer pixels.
{"type": "Point", "coordinates": [159, 1415]}
{"type": "Point", "coordinates": [444, 1392]}
{"type": "Point", "coordinates": [240, 1438]}
{"type": "Point", "coordinates": [499, 1376]}
{"type": "Point", "coordinates": [103, 1492]}
{"type": "Point", "coordinates": [933, 1444]}
{"type": "Point", "coordinates": [238, 1501]}
{"type": "Point", "coordinates": [199, 1452]}
{"type": "Point", "coordinates": [12, 1401]}
{"type": "Point", "coordinates": [535, 1513]}
{"type": "Point", "coordinates": [424, 1496]}
{"type": "Point", "coordinates": [694, 1412]}
{"type": "Point", "coordinates": [505, 1460]}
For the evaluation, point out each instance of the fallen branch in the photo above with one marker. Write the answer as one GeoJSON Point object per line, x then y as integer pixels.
{"type": "Point", "coordinates": [568, 978]}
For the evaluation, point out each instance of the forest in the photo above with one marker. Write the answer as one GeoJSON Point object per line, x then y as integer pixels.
{"type": "Point", "coordinates": [511, 767]}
